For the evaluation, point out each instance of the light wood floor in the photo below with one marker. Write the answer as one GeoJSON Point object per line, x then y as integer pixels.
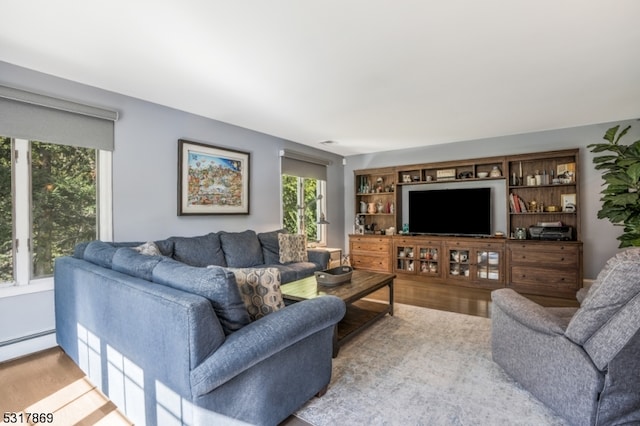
{"type": "Point", "coordinates": [463, 300]}
{"type": "Point", "coordinates": [50, 382]}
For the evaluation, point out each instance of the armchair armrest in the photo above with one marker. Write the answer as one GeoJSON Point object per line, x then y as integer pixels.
{"type": "Point", "coordinates": [263, 338]}
{"type": "Point", "coordinates": [527, 312]}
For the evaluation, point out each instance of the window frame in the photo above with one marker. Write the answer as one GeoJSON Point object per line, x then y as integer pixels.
{"type": "Point", "coordinates": [321, 207]}
{"type": "Point", "coordinates": [23, 283]}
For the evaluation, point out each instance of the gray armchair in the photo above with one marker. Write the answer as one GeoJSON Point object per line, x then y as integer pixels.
{"type": "Point", "coordinates": [583, 363]}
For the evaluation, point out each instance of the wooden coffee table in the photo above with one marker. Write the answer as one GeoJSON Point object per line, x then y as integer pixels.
{"type": "Point", "coordinates": [360, 313]}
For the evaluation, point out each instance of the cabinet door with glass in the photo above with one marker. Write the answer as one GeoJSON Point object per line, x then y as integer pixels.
{"type": "Point", "coordinates": [429, 254]}
{"type": "Point", "coordinates": [458, 264]}
{"type": "Point", "coordinates": [477, 264]}
{"type": "Point", "coordinates": [489, 264]}
{"type": "Point", "coordinates": [405, 256]}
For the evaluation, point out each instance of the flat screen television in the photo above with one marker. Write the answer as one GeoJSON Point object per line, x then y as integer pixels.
{"type": "Point", "coordinates": [462, 211]}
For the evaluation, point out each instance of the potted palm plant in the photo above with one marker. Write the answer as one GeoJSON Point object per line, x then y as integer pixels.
{"type": "Point", "coordinates": [621, 173]}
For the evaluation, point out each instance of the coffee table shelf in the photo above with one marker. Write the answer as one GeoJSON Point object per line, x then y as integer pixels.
{"type": "Point", "coordinates": [360, 315]}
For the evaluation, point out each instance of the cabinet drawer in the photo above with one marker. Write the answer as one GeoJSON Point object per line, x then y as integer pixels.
{"type": "Point", "coordinates": [488, 246]}
{"type": "Point", "coordinates": [557, 257]}
{"type": "Point", "coordinates": [371, 239]}
{"type": "Point", "coordinates": [412, 241]}
{"type": "Point", "coordinates": [372, 263]}
{"type": "Point", "coordinates": [465, 245]}
{"type": "Point", "coordinates": [527, 275]}
{"type": "Point", "coordinates": [370, 246]}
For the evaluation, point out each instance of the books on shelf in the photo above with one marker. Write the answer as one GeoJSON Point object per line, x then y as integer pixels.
{"type": "Point", "coordinates": [517, 204]}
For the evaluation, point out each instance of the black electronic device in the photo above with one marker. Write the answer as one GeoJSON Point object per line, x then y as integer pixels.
{"type": "Point", "coordinates": [550, 233]}
{"type": "Point", "coordinates": [462, 211]}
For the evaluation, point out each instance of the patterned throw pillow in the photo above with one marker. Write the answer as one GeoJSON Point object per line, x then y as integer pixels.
{"type": "Point", "coordinates": [260, 290]}
{"type": "Point", "coordinates": [150, 249]}
{"type": "Point", "coordinates": [293, 248]}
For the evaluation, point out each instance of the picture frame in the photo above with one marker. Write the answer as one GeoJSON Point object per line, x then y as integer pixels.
{"type": "Point", "coordinates": [212, 179]}
{"type": "Point", "coordinates": [568, 202]}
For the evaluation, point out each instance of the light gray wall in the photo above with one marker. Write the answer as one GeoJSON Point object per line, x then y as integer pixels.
{"type": "Point", "coordinates": [599, 236]}
{"type": "Point", "coordinates": [145, 179]}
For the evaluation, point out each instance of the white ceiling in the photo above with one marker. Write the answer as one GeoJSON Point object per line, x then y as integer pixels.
{"type": "Point", "coordinates": [370, 75]}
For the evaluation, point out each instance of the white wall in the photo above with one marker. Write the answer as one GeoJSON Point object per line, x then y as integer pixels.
{"type": "Point", "coordinates": [599, 236]}
{"type": "Point", "coordinates": [145, 180]}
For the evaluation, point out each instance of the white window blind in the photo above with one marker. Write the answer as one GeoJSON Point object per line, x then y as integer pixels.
{"type": "Point", "coordinates": [303, 165]}
{"type": "Point", "coordinates": [33, 116]}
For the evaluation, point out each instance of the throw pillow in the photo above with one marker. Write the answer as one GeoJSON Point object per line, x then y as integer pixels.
{"type": "Point", "coordinates": [260, 290]}
{"type": "Point", "coordinates": [149, 249]}
{"type": "Point", "coordinates": [293, 248]}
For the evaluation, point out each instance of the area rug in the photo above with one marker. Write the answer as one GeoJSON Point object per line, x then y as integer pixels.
{"type": "Point", "coordinates": [423, 367]}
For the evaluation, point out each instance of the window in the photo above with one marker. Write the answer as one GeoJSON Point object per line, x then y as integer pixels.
{"type": "Point", "coordinates": [55, 182]}
{"type": "Point", "coordinates": [302, 207]}
{"type": "Point", "coordinates": [304, 195]}
{"type": "Point", "coordinates": [48, 204]}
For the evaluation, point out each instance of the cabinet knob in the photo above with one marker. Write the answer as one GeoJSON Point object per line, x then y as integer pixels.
{"type": "Point", "coordinates": [524, 257]}
{"type": "Point", "coordinates": [562, 259]}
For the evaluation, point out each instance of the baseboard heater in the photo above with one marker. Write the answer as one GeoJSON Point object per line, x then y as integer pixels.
{"type": "Point", "coordinates": [24, 338]}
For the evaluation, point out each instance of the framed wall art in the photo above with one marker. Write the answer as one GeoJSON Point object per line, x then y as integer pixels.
{"type": "Point", "coordinates": [212, 180]}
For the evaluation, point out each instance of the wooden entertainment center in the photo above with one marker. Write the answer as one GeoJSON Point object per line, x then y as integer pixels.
{"type": "Point", "coordinates": [535, 187]}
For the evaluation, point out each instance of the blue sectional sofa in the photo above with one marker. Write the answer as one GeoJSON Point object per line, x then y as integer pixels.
{"type": "Point", "coordinates": [168, 338]}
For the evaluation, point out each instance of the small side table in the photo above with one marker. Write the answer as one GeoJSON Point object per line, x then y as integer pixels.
{"type": "Point", "coordinates": [335, 257]}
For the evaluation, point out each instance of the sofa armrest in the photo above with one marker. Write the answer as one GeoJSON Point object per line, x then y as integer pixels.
{"type": "Point", "coordinates": [527, 312]}
{"type": "Point", "coordinates": [263, 338]}
{"type": "Point", "coordinates": [319, 256]}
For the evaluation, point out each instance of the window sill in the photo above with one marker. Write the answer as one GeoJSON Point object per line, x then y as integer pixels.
{"type": "Point", "coordinates": [35, 286]}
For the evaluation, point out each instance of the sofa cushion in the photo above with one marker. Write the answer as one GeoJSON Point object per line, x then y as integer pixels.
{"type": "Point", "coordinates": [287, 273]}
{"type": "Point", "coordinates": [78, 250]}
{"type": "Point", "coordinates": [260, 290]}
{"type": "Point", "coordinates": [100, 253]}
{"type": "Point", "coordinates": [293, 248]}
{"type": "Point", "coordinates": [165, 246]}
{"type": "Point", "coordinates": [241, 249]}
{"type": "Point", "coordinates": [199, 251]}
{"type": "Point", "coordinates": [131, 262]}
{"type": "Point", "coordinates": [216, 284]}
{"type": "Point", "coordinates": [616, 284]}
{"type": "Point", "coordinates": [271, 246]}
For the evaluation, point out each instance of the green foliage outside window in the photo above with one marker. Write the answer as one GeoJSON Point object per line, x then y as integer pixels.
{"type": "Point", "coordinates": [290, 202]}
{"type": "Point", "coordinates": [63, 204]}
{"type": "Point", "coordinates": [6, 208]}
{"type": "Point", "coordinates": [63, 201]}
